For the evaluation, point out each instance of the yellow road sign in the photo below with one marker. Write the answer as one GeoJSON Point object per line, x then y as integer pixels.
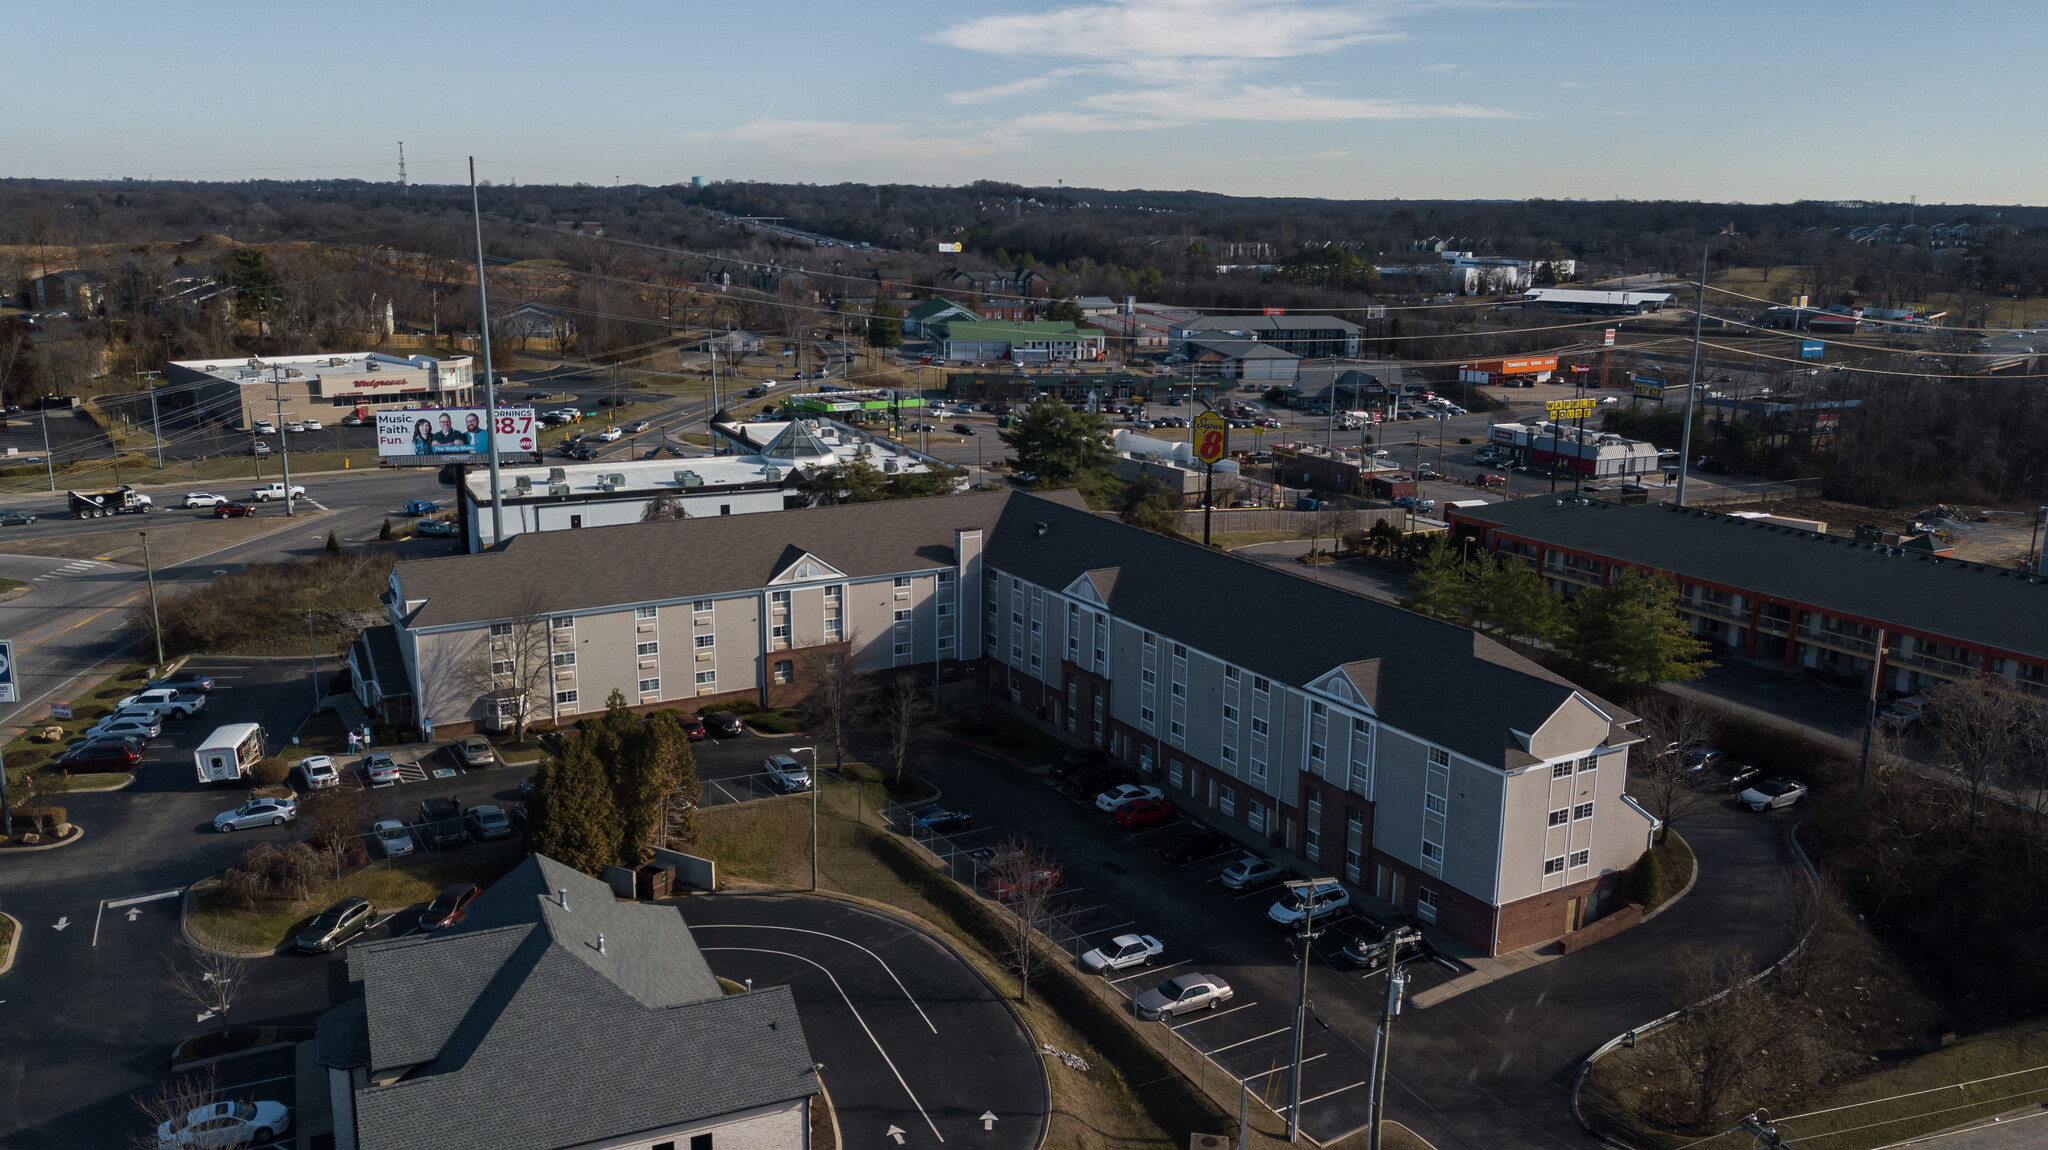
{"type": "Point", "coordinates": [1212, 437]}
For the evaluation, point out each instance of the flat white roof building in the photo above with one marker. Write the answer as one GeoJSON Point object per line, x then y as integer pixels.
{"type": "Point", "coordinates": [238, 390]}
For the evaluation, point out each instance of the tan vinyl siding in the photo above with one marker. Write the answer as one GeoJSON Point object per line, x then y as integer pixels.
{"type": "Point", "coordinates": [1573, 728]}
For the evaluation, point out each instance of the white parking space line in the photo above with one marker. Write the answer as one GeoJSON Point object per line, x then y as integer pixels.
{"type": "Point", "coordinates": [1326, 1094]}
{"type": "Point", "coordinates": [1106, 929]}
{"type": "Point", "coordinates": [1248, 1041]}
{"type": "Point", "coordinates": [857, 1018]}
{"type": "Point", "coordinates": [116, 904]}
{"type": "Point", "coordinates": [1213, 1015]}
{"type": "Point", "coordinates": [1149, 970]}
{"type": "Point", "coordinates": [890, 971]}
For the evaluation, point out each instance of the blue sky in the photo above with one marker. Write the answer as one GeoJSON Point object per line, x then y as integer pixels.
{"type": "Point", "coordinates": [1387, 98]}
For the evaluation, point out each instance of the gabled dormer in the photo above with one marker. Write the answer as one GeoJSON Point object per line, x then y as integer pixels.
{"type": "Point", "coordinates": [1094, 587]}
{"type": "Point", "coordinates": [800, 566]}
{"type": "Point", "coordinates": [1355, 685]}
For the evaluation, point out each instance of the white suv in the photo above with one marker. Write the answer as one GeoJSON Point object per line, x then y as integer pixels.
{"type": "Point", "coordinates": [785, 774]}
{"type": "Point", "coordinates": [1326, 897]}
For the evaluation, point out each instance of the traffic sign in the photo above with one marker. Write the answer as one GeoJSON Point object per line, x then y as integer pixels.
{"type": "Point", "coordinates": [7, 692]}
{"type": "Point", "coordinates": [1212, 437]}
{"type": "Point", "coordinates": [1607, 338]}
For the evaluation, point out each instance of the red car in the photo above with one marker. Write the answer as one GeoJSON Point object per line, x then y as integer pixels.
{"type": "Point", "coordinates": [1143, 813]}
{"type": "Point", "coordinates": [1007, 887]}
{"type": "Point", "coordinates": [449, 907]}
{"type": "Point", "coordinates": [233, 510]}
{"type": "Point", "coordinates": [693, 726]}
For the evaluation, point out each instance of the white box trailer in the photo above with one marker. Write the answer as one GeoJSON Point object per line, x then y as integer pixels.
{"type": "Point", "coordinates": [229, 752]}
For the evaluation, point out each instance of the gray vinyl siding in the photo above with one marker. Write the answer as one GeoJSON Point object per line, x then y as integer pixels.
{"type": "Point", "coordinates": [1397, 801]}
{"type": "Point", "coordinates": [1472, 829]}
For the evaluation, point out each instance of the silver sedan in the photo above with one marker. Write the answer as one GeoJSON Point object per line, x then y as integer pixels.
{"type": "Point", "coordinates": [257, 813]}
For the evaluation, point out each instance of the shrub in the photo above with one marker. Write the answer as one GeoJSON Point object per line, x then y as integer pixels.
{"type": "Point", "coordinates": [26, 757]}
{"type": "Point", "coordinates": [1644, 884]}
{"type": "Point", "coordinates": [44, 820]}
{"type": "Point", "coordinates": [770, 723]}
{"type": "Point", "coordinates": [541, 728]}
{"type": "Point", "coordinates": [271, 871]}
{"type": "Point", "coordinates": [384, 532]}
{"type": "Point", "coordinates": [1464, 439]}
{"type": "Point", "coordinates": [271, 772]}
{"type": "Point", "coordinates": [333, 544]}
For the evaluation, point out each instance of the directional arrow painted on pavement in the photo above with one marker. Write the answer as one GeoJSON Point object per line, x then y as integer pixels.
{"type": "Point", "coordinates": [895, 1132]}
{"type": "Point", "coordinates": [134, 912]}
{"type": "Point", "coordinates": [207, 1015]}
{"type": "Point", "coordinates": [61, 923]}
{"type": "Point", "coordinates": [988, 1120]}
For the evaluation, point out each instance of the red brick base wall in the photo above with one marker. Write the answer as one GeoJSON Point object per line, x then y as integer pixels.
{"type": "Point", "coordinates": [1541, 918]}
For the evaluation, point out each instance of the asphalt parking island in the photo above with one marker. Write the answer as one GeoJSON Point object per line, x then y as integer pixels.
{"type": "Point", "coordinates": [915, 1048]}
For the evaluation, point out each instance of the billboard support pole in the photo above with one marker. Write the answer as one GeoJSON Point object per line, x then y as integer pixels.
{"type": "Point", "coordinates": [1692, 383]}
{"type": "Point", "coordinates": [483, 307]}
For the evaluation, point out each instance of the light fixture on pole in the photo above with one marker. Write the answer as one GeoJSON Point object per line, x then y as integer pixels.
{"type": "Point", "coordinates": [812, 778]}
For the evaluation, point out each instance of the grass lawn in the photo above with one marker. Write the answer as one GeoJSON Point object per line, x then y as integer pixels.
{"type": "Point", "coordinates": [1126, 1101]}
{"type": "Point", "coordinates": [25, 755]}
{"type": "Point", "coordinates": [7, 585]}
{"type": "Point", "coordinates": [390, 886]}
{"type": "Point", "coordinates": [222, 469]}
{"type": "Point", "coordinates": [1246, 538]}
{"type": "Point", "coordinates": [322, 734]}
{"type": "Point", "coordinates": [6, 933]}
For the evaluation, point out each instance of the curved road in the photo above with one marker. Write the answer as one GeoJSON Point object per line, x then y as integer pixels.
{"type": "Point", "coordinates": [916, 1049]}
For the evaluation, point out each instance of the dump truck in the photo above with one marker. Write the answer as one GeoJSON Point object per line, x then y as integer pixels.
{"type": "Point", "coordinates": [122, 500]}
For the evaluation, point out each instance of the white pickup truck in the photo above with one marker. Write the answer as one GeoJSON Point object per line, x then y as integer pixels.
{"type": "Point", "coordinates": [169, 703]}
{"type": "Point", "coordinates": [270, 491]}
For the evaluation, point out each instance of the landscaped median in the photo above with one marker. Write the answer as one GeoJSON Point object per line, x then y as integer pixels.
{"type": "Point", "coordinates": [215, 920]}
{"type": "Point", "coordinates": [1134, 1094]}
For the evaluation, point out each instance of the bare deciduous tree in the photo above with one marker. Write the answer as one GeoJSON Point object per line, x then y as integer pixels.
{"type": "Point", "coordinates": [907, 716]}
{"type": "Point", "coordinates": [333, 818]}
{"type": "Point", "coordinates": [665, 505]}
{"type": "Point", "coordinates": [1977, 725]}
{"type": "Point", "coordinates": [838, 698]}
{"type": "Point", "coordinates": [1024, 877]}
{"type": "Point", "coordinates": [173, 1099]}
{"type": "Point", "coordinates": [1716, 1043]}
{"type": "Point", "coordinates": [515, 662]}
{"type": "Point", "coordinates": [1672, 728]}
{"type": "Point", "coordinates": [210, 980]}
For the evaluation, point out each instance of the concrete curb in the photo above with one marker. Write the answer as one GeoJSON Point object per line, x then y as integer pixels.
{"type": "Point", "coordinates": [5, 851]}
{"type": "Point", "coordinates": [1673, 900]}
{"type": "Point", "coordinates": [101, 790]}
{"type": "Point", "coordinates": [831, 1113]}
{"type": "Point", "coordinates": [185, 928]}
{"type": "Point", "coordinates": [13, 944]}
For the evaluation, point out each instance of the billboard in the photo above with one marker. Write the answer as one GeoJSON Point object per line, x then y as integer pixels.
{"type": "Point", "coordinates": [1811, 349]}
{"type": "Point", "coordinates": [453, 434]}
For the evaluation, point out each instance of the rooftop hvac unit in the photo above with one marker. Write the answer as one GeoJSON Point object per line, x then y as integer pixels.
{"type": "Point", "coordinates": [616, 479]}
{"type": "Point", "coordinates": [772, 474]}
{"type": "Point", "coordinates": [371, 365]}
{"type": "Point", "coordinates": [607, 485]}
{"type": "Point", "coordinates": [863, 451]}
{"type": "Point", "coordinates": [889, 466]}
{"type": "Point", "coordinates": [335, 361]}
{"type": "Point", "coordinates": [558, 489]}
{"type": "Point", "coordinates": [557, 474]}
{"type": "Point", "coordinates": [689, 479]}
{"type": "Point", "coordinates": [523, 482]}
{"type": "Point", "coordinates": [292, 373]}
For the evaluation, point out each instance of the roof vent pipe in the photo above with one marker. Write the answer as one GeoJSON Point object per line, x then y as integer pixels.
{"type": "Point", "coordinates": [600, 942]}
{"type": "Point", "coordinates": [562, 896]}
{"type": "Point", "coordinates": [1040, 528]}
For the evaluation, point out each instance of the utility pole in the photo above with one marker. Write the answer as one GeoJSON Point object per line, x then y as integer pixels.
{"type": "Point", "coordinates": [155, 619]}
{"type": "Point", "coordinates": [1870, 706]}
{"type": "Point", "coordinates": [284, 441]}
{"type": "Point", "coordinates": [313, 647]}
{"type": "Point", "coordinates": [156, 428]}
{"type": "Point", "coordinates": [1760, 1127]}
{"type": "Point", "coordinates": [1692, 383]}
{"type": "Point", "coordinates": [1304, 890]}
{"type": "Point", "coordinates": [49, 463]}
{"type": "Point", "coordinates": [1397, 983]}
{"type": "Point", "coordinates": [483, 311]}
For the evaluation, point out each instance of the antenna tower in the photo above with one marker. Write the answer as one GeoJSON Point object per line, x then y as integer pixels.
{"type": "Point", "coordinates": [403, 187]}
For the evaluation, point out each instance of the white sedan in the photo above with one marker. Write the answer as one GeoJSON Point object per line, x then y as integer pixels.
{"type": "Point", "coordinates": [204, 499]}
{"type": "Point", "coordinates": [313, 425]}
{"type": "Point", "coordinates": [381, 769]}
{"type": "Point", "coordinates": [393, 837]}
{"type": "Point", "coordinates": [610, 434]}
{"type": "Point", "coordinates": [294, 426]}
{"type": "Point", "coordinates": [1122, 952]}
{"type": "Point", "coordinates": [224, 1124]}
{"type": "Point", "coordinates": [1772, 794]}
{"type": "Point", "coordinates": [319, 772]}
{"type": "Point", "coordinates": [1122, 793]}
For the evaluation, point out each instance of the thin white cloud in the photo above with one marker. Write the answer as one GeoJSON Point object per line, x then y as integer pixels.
{"type": "Point", "coordinates": [1004, 91]}
{"type": "Point", "coordinates": [1132, 31]}
{"type": "Point", "coordinates": [1446, 69]}
{"type": "Point", "coordinates": [1275, 105]}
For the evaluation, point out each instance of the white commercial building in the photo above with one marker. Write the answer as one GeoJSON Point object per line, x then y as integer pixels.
{"type": "Point", "coordinates": [325, 387]}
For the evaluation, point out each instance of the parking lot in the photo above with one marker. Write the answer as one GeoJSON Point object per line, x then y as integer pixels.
{"type": "Point", "coordinates": [1113, 881]}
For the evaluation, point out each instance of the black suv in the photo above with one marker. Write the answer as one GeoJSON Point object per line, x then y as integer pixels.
{"type": "Point", "coordinates": [1078, 759]}
{"type": "Point", "coordinates": [440, 824]}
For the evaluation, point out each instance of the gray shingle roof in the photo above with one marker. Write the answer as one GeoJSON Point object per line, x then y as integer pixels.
{"type": "Point", "coordinates": [635, 563]}
{"type": "Point", "coordinates": [1273, 323]}
{"type": "Point", "coordinates": [387, 666]}
{"type": "Point", "coordinates": [1999, 607]}
{"type": "Point", "coordinates": [513, 1030]}
{"type": "Point", "coordinates": [1439, 681]}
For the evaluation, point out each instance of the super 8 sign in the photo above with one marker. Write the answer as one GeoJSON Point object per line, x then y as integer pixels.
{"type": "Point", "coordinates": [1212, 437]}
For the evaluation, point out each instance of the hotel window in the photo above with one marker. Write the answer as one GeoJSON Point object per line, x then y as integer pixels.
{"type": "Point", "coordinates": [1439, 757]}
{"type": "Point", "coordinates": [1425, 904]}
{"type": "Point", "coordinates": [1073, 633]}
{"type": "Point", "coordinates": [1149, 640]}
{"type": "Point", "coordinates": [1173, 772]}
{"type": "Point", "coordinates": [902, 649]}
{"type": "Point", "coordinates": [1258, 725]}
{"type": "Point", "coordinates": [1255, 817]}
{"type": "Point", "coordinates": [707, 640]}
{"type": "Point", "coordinates": [1588, 763]}
{"type": "Point", "coordinates": [1179, 652]}
{"type": "Point", "coordinates": [1317, 709]}
{"type": "Point", "coordinates": [778, 636]}
{"type": "Point", "coordinates": [562, 622]}
{"type": "Point", "coordinates": [1037, 626]}
{"type": "Point", "coordinates": [1315, 751]}
{"type": "Point", "coordinates": [502, 667]}
{"type": "Point", "coordinates": [1432, 852]}
{"type": "Point", "coordinates": [778, 600]}
{"type": "Point", "coordinates": [1579, 857]}
{"type": "Point", "coordinates": [1176, 730]}
{"type": "Point", "coordinates": [1260, 684]}
{"type": "Point", "coordinates": [643, 612]}
{"type": "Point", "coordinates": [903, 583]}
{"type": "Point", "coordinates": [1582, 811]}
{"type": "Point", "coordinates": [650, 686]}
{"type": "Point", "coordinates": [1553, 866]}
{"type": "Point", "coordinates": [501, 630]}
{"type": "Point", "coordinates": [945, 610]}
{"type": "Point", "coordinates": [1560, 770]}
{"type": "Point", "coordinates": [566, 659]}
{"type": "Point", "coordinates": [1180, 690]}
{"type": "Point", "coordinates": [1145, 715]}
{"type": "Point", "coordinates": [1016, 618]}
{"type": "Point", "coordinates": [1230, 673]}
{"type": "Point", "coordinates": [1434, 804]}
{"type": "Point", "coordinates": [1229, 713]}
{"type": "Point", "coordinates": [565, 696]}
{"type": "Point", "coordinates": [1560, 817]}
{"type": "Point", "coordinates": [785, 670]}
{"type": "Point", "coordinates": [647, 649]}
{"type": "Point", "coordinates": [1229, 753]}
{"type": "Point", "coordinates": [903, 614]}
{"type": "Point", "coordinates": [1148, 677]}
{"type": "Point", "coordinates": [707, 678]}
{"type": "Point", "coordinates": [1226, 800]}
{"type": "Point", "coordinates": [701, 606]}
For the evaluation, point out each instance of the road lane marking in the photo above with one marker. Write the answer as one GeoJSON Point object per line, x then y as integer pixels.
{"type": "Point", "coordinates": [836, 938]}
{"type": "Point", "coordinates": [857, 1018]}
{"type": "Point", "coordinates": [106, 904]}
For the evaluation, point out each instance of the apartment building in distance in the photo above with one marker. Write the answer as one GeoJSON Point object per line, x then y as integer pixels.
{"type": "Point", "coordinates": [1823, 605]}
{"type": "Point", "coordinates": [1414, 759]}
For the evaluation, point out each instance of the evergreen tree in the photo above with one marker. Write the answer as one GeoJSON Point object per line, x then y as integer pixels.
{"type": "Point", "coordinates": [1644, 883]}
{"type": "Point", "coordinates": [1057, 442]}
{"type": "Point", "coordinates": [1631, 630]}
{"type": "Point", "coordinates": [885, 325]}
{"type": "Point", "coordinates": [575, 821]}
{"type": "Point", "coordinates": [1512, 601]}
{"type": "Point", "coordinates": [1440, 586]}
{"type": "Point", "coordinates": [333, 544]}
{"type": "Point", "coordinates": [1147, 505]}
{"type": "Point", "coordinates": [1064, 311]}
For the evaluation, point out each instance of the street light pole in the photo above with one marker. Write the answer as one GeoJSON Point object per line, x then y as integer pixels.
{"type": "Point", "coordinates": [284, 441]}
{"type": "Point", "coordinates": [156, 620]}
{"type": "Point", "coordinates": [1692, 383]}
{"type": "Point", "coordinates": [814, 811]}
